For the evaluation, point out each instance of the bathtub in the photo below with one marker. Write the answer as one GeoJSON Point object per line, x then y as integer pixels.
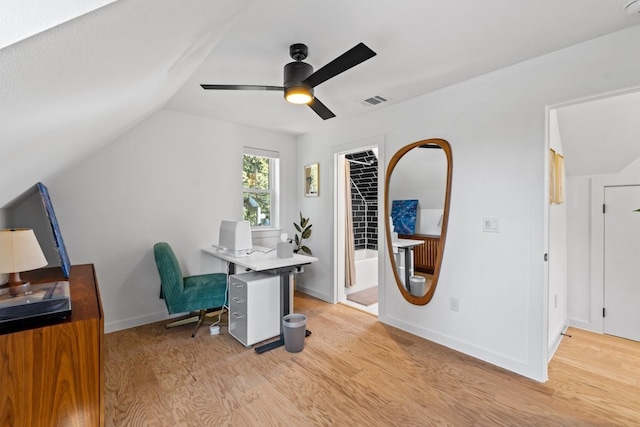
{"type": "Point", "coordinates": [366, 261]}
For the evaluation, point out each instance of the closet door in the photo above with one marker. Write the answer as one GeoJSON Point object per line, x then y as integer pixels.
{"type": "Point", "coordinates": [622, 262]}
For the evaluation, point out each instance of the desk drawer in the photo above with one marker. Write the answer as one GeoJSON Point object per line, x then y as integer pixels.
{"type": "Point", "coordinates": [237, 303]}
{"type": "Point", "coordinates": [238, 326]}
{"type": "Point", "coordinates": [237, 286]}
{"type": "Point", "coordinates": [254, 307]}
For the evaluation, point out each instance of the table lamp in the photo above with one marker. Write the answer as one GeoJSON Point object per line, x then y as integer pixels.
{"type": "Point", "coordinates": [19, 251]}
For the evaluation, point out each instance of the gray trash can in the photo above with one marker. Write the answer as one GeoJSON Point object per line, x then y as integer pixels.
{"type": "Point", "coordinates": [294, 327]}
{"type": "Point", "coordinates": [417, 286]}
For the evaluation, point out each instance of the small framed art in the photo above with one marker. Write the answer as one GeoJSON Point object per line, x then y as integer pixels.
{"type": "Point", "coordinates": [312, 180]}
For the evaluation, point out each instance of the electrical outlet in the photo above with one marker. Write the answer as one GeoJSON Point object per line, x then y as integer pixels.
{"type": "Point", "coordinates": [555, 300]}
{"type": "Point", "coordinates": [454, 304]}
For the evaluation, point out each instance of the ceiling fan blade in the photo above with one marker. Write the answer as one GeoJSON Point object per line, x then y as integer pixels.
{"type": "Point", "coordinates": [241, 87]}
{"type": "Point", "coordinates": [321, 109]}
{"type": "Point", "coordinates": [349, 59]}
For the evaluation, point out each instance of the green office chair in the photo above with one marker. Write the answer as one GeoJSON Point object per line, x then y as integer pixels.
{"type": "Point", "coordinates": [188, 294]}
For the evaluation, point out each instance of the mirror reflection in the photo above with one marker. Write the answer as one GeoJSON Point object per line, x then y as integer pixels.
{"type": "Point", "coordinates": [417, 206]}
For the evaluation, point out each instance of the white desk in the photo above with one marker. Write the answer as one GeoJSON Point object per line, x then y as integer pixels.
{"type": "Point", "coordinates": [260, 261]}
{"type": "Point", "coordinates": [406, 245]}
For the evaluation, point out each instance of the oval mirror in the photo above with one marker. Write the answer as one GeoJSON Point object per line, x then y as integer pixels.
{"type": "Point", "coordinates": [417, 193]}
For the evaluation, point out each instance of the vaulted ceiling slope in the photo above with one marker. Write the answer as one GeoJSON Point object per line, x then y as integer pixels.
{"type": "Point", "coordinates": [69, 90]}
{"type": "Point", "coordinates": [22, 19]}
{"type": "Point", "coordinates": [601, 135]}
{"type": "Point", "coordinates": [76, 77]}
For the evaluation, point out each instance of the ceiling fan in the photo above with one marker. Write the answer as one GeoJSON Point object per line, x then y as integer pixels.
{"type": "Point", "coordinates": [299, 78]}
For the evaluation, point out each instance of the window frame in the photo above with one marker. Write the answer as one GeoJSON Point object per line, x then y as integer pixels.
{"type": "Point", "coordinates": [274, 185]}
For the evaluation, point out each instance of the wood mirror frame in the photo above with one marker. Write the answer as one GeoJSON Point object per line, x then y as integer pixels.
{"type": "Point", "coordinates": [439, 245]}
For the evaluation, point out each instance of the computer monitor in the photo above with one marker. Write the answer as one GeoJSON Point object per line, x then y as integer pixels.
{"type": "Point", "coordinates": [235, 237]}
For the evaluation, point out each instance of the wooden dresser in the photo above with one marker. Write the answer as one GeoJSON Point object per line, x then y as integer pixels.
{"type": "Point", "coordinates": [424, 256]}
{"type": "Point", "coordinates": [53, 375]}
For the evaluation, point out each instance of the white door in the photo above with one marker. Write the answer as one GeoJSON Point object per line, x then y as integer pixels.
{"type": "Point", "coordinates": [622, 262]}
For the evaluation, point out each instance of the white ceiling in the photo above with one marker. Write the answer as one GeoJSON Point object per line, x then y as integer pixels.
{"type": "Point", "coordinates": [76, 75]}
{"type": "Point", "coordinates": [422, 45]}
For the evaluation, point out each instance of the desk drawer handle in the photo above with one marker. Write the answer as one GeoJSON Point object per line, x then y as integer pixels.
{"type": "Point", "coordinates": [238, 315]}
{"type": "Point", "coordinates": [237, 300]}
{"type": "Point", "coordinates": [238, 285]}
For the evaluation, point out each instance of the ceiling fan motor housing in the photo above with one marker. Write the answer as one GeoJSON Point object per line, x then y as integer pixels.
{"type": "Point", "coordinates": [294, 75]}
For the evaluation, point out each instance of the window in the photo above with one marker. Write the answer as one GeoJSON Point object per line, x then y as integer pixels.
{"type": "Point", "coordinates": [260, 187]}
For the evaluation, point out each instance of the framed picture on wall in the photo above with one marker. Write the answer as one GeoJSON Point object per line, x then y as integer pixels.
{"type": "Point", "coordinates": [552, 175]}
{"type": "Point", "coordinates": [312, 180]}
{"type": "Point", "coordinates": [556, 177]}
{"type": "Point", "coordinates": [65, 263]}
{"type": "Point", "coordinates": [559, 173]}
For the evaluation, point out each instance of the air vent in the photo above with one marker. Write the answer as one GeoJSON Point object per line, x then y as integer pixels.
{"type": "Point", "coordinates": [374, 100]}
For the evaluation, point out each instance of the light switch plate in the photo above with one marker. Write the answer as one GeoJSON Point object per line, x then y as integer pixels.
{"type": "Point", "coordinates": [491, 224]}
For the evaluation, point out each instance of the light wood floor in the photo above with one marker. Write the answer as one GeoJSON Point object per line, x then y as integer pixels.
{"type": "Point", "coordinates": [355, 371]}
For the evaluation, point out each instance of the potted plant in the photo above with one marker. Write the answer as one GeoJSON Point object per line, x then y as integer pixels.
{"type": "Point", "coordinates": [303, 231]}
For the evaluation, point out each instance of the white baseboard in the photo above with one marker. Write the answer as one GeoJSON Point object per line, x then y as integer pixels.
{"type": "Point", "coordinates": [315, 294]}
{"type": "Point", "coordinates": [553, 347]}
{"type": "Point", "coordinates": [581, 324]}
{"type": "Point", "coordinates": [136, 321]}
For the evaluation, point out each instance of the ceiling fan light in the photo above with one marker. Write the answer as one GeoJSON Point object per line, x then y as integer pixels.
{"type": "Point", "coordinates": [299, 95]}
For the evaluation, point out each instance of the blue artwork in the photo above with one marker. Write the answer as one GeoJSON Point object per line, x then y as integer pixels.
{"type": "Point", "coordinates": [55, 228]}
{"type": "Point", "coordinates": [403, 215]}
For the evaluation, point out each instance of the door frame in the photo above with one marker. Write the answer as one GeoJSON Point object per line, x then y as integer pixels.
{"type": "Point", "coordinates": [338, 152]}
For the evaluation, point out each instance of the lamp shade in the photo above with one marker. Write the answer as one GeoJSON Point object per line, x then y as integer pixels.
{"type": "Point", "coordinates": [20, 251]}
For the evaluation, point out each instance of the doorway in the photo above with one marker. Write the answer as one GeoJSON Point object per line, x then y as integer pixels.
{"type": "Point", "coordinates": [599, 141]}
{"type": "Point", "coordinates": [356, 199]}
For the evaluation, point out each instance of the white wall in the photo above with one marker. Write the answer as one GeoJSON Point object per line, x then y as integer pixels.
{"type": "Point", "coordinates": [578, 251]}
{"type": "Point", "coordinates": [496, 127]}
{"type": "Point", "coordinates": [172, 178]}
{"type": "Point", "coordinates": [557, 252]}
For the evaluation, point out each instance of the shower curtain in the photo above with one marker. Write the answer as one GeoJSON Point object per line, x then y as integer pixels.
{"type": "Point", "coordinates": [349, 251]}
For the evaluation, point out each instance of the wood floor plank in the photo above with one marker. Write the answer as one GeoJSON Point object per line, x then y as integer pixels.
{"type": "Point", "coordinates": [356, 371]}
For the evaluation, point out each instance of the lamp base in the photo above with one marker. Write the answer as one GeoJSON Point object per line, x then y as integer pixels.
{"type": "Point", "coordinates": [17, 286]}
